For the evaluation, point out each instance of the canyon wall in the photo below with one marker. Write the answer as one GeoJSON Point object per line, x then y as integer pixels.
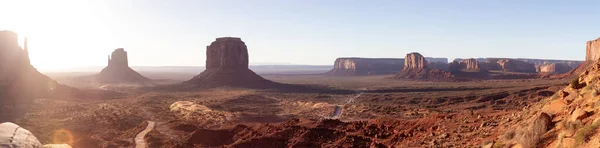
{"type": "Point", "coordinates": [366, 66]}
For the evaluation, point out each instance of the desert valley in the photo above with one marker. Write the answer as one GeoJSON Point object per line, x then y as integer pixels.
{"type": "Point", "coordinates": [407, 101]}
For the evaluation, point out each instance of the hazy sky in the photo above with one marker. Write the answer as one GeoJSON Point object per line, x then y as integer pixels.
{"type": "Point", "coordinates": [76, 33]}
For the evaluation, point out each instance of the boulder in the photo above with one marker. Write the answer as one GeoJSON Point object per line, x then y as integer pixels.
{"type": "Point", "coordinates": [118, 72]}
{"type": "Point", "coordinates": [227, 65]}
{"type": "Point", "coordinates": [365, 66]}
{"type": "Point", "coordinates": [592, 50]}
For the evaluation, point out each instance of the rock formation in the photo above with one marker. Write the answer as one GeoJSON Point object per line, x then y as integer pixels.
{"type": "Point", "coordinates": [119, 72]}
{"type": "Point", "coordinates": [511, 65]}
{"type": "Point", "coordinates": [20, 82]}
{"type": "Point", "coordinates": [227, 65]}
{"type": "Point", "coordinates": [554, 68]}
{"type": "Point", "coordinates": [414, 61]}
{"type": "Point", "coordinates": [415, 67]}
{"type": "Point", "coordinates": [365, 66]}
{"type": "Point", "coordinates": [470, 65]}
{"type": "Point", "coordinates": [492, 63]}
{"type": "Point", "coordinates": [507, 65]}
{"type": "Point", "coordinates": [592, 50]}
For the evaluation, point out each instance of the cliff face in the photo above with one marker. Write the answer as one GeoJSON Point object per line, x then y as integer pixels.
{"type": "Point", "coordinates": [366, 66]}
{"type": "Point", "coordinates": [554, 68]}
{"type": "Point", "coordinates": [227, 65]}
{"type": "Point", "coordinates": [118, 71]}
{"type": "Point", "coordinates": [227, 52]}
{"type": "Point", "coordinates": [511, 65]}
{"type": "Point", "coordinates": [414, 61]}
{"type": "Point", "coordinates": [416, 67]}
{"type": "Point", "coordinates": [592, 50]}
{"type": "Point", "coordinates": [20, 82]}
{"type": "Point", "coordinates": [492, 63]}
{"type": "Point", "coordinates": [465, 65]}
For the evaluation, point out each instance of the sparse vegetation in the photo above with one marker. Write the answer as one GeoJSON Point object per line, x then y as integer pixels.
{"type": "Point", "coordinates": [576, 85]}
{"type": "Point", "coordinates": [583, 133]}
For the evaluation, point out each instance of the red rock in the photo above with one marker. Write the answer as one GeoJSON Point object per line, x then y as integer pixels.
{"type": "Point", "coordinates": [554, 68]}
{"type": "Point", "coordinates": [511, 65]}
{"type": "Point", "coordinates": [365, 66]}
{"type": "Point", "coordinates": [592, 50]}
{"type": "Point", "coordinates": [227, 65]}
{"type": "Point", "coordinates": [465, 65]}
{"type": "Point", "coordinates": [414, 61]}
{"type": "Point", "coordinates": [415, 67]}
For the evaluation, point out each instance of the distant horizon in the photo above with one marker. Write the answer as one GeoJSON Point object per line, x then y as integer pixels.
{"type": "Point", "coordinates": [79, 33]}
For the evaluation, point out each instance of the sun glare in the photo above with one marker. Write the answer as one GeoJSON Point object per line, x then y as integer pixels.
{"type": "Point", "coordinates": [52, 25]}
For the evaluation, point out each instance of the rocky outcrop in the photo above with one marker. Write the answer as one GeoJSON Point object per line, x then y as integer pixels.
{"type": "Point", "coordinates": [118, 72]}
{"type": "Point", "coordinates": [492, 63]}
{"type": "Point", "coordinates": [554, 68]}
{"type": "Point", "coordinates": [592, 50]}
{"type": "Point", "coordinates": [573, 109]}
{"type": "Point", "coordinates": [540, 62]}
{"type": "Point", "coordinates": [465, 65]}
{"type": "Point", "coordinates": [227, 65]}
{"type": "Point", "coordinates": [20, 82]}
{"type": "Point", "coordinates": [511, 65]}
{"type": "Point", "coordinates": [365, 66]}
{"type": "Point", "coordinates": [507, 65]}
{"type": "Point", "coordinates": [416, 68]}
{"type": "Point", "coordinates": [414, 61]}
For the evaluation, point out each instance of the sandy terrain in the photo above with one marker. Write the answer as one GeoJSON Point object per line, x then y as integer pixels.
{"type": "Point", "coordinates": [459, 114]}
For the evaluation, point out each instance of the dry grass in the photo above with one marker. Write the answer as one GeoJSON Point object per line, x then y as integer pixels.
{"type": "Point", "coordinates": [585, 132]}
{"type": "Point", "coordinates": [575, 84]}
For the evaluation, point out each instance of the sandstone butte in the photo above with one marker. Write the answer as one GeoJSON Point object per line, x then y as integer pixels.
{"type": "Point", "coordinates": [20, 82]}
{"type": "Point", "coordinates": [227, 65]}
{"type": "Point", "coordinates": [118, 71]}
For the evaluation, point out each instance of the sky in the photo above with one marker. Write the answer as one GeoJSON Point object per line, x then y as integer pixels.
{"type": "Point", "coordinates": [80, 33]}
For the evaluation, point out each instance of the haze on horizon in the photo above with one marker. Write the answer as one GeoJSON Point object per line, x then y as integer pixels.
{"type": "Point", "coordinates": [80, 33]}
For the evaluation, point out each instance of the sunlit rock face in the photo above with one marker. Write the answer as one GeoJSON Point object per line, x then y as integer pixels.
{"type": "Point", "coordinates": [227, 65]}
{"type": "Point", "coordinates": [416, 67]}
{"type": "Point", "coordinates": [592, 50]}
{"type": "Point", "coordinates": [414, 61]}
{"type": "Point", "coordinates": [554, 68]}
{"type": "Point", "coordinates": [20, 82]}
{"type": "Point", "coordinates": [118, 71]}
{"type": "Point", "coordinates": [365, 66]}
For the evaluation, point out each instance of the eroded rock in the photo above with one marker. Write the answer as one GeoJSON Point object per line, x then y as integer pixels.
{"type": "Point", "coordinates": [592, 50]}
{"type": "Point", "coordinates": [227, 65]}
{"type": "Point", "coordinates": [366, 66]}
{"type": "Point", "coordinates": [118, 71]}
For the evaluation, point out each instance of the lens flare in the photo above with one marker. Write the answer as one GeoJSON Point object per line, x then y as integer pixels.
{"type": "Point", "coordinates": [62, 136]}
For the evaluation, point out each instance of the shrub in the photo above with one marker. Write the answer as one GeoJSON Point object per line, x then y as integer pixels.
{"type": "Point", "coordinates": [576, 85]}
{"type": "Point", "coordinates": [583, 133]}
